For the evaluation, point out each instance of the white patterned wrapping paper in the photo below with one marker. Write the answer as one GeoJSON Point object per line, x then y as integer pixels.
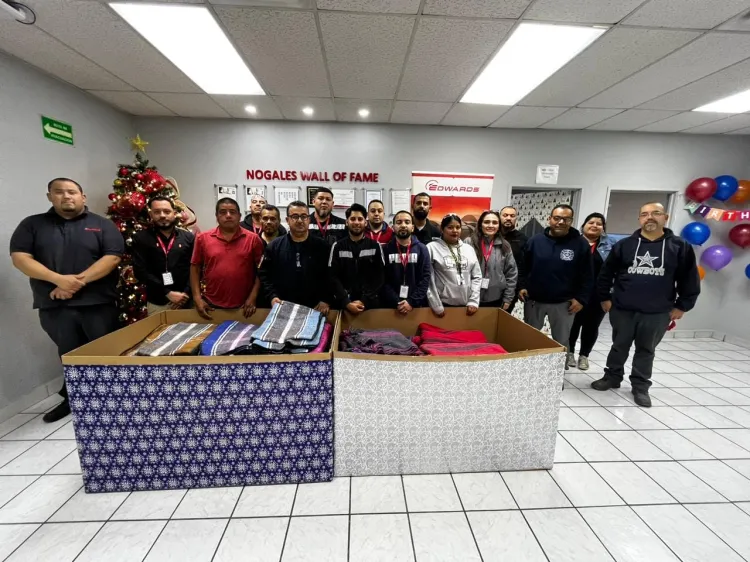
{"type": "Point", "coordinates": [415, 417]}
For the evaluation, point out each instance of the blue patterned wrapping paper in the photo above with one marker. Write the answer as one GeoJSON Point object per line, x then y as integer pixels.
{"type": "Point", "coordinates": [155, 427]}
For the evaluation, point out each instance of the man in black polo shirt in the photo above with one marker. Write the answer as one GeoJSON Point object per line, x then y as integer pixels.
{"type": "Point", "coordinates": [161, 258]}
{"type": "Point", "coordinates": [323, 223]}
{"type": "Point", "coordinates": [70, 256]}
{"type": "Point", "coordinates": [424, 229]}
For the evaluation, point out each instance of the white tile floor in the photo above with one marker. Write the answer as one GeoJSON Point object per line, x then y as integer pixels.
{"type": "Point", "coordinates": [629, 484]}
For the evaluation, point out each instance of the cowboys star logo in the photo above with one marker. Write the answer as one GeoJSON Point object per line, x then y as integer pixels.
{"type": "Point", "coordinates": [646, 259]}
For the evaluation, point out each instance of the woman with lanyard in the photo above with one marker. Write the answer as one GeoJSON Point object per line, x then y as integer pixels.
{"type": "Point", "coordinates": [587, 321]}
{"type": "Point", "coordinates": [456, 275]}
{"type": "Point", "coordinates": [499, 271]}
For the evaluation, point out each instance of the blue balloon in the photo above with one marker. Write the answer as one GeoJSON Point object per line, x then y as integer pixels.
{"type": "Point", "coordinates": [696, 233]}
{"type": "Point", "coordinates": [747, 271]}
{"type": "Point", "coordinates": [726, 187]}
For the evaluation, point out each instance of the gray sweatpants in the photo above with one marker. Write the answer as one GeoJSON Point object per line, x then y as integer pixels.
{"type": "Point", "coordinates": [560, 320]}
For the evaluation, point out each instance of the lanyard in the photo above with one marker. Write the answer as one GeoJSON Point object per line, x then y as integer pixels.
{"type": "Point", "coordinates": [257, 230]}
{"type": "Point", "coordinates": [378, 235]}
{"type": "Point", "coordinates": [323, 231]}
{"type": "Point", "coordinates": [487, 255]}
{"type": "Point", "coordinates": [165, 248]}
{"type": "Point", "coordinates": [456, 259]}
{"type": "Point", "coordinates": [404, 257]}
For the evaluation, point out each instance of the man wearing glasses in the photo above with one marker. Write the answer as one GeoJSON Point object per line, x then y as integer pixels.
{"type": "Point", "coordinates": [655, 280]}
{"type": "Point", "coordinates": [295, 266]}
{"type": "Point", "coordinates": [559, 275]}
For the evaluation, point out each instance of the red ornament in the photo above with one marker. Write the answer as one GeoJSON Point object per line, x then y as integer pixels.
{"type": "Point", "coordinates": [139, 177]}
{"type": "Point", "coordinates": [701, 189]}
{"type": "Point", "coordinates": [138, 200]}
{"type": "Point", "coordinates": [123, 172]}
{"type": "Point", "coordinates": [740, 235]}
{"type": "Point", "coordinates": [112, 196]}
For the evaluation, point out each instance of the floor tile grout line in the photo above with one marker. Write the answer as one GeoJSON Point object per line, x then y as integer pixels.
{"type": "Point", "coordinates": [156, 540]}
{"type": "Point", "coordinates": [682, 464]}
{"type": "Point", "coordinates": [713, 430]}
{"type": "Point", "coordinates": [408, 518]}
{"type": "Point", "coordinates": [4, 435]}
{"type": "Point", "coordinates": [104, 524]}
{"type": "Point", "coordinates": [677, 431]}
{"type": "Point", "coordinates": [463, 510]}
{"type": "Point", "coordinates": [289, 522]}
{"type": "Point", "coordinates": [513, 497]}
{"type": "Point", "coordinates": [229, 520]}
{"type": "Point", "coordinates": [38, 476]}
{"type": "Point", "coordinates": [349, 517]}
{"type": "Point", "coordinates": [657, 535]}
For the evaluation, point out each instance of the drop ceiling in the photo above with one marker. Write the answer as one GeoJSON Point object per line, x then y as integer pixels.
{"type": "Point", "coordinates": [410, 61]}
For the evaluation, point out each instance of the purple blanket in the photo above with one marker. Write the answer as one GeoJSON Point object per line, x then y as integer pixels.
{"type": "Point", "coordinates": [382, 342]}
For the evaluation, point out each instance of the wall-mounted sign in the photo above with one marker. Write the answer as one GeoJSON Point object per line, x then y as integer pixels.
{"type": "Point", "coordinates": [317, 176]}
{"type": "Point", "coordinates": [464, 194]}
{"type": "Point", "coordinates": [547, 173]}
{"type": "Point", "coordinates": [58, 131]}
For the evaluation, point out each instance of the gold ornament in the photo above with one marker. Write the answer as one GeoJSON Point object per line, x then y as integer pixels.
{"type": "Point", "coordinates": [138, 144]}
{"type": "Point", "coordinates": [117, 183]}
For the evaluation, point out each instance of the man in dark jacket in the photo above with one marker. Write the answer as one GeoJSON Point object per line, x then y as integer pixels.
{"type": "Point", "coordinates": [407, 267]}
{"type": "Point", "coordinates": [517, 241]}
{"type": "Point", "coordinates": [559, 275]}
{"type": "Point", "coordinates": [356, 265]}
{"type": "Point", "coordinates": [424, 229]}
{"type": "Point", "coordinates": [254, 219]}
{"type": "Point", "coordinates": [323, 223]}
{"type": "Point", "coordinates": [655, 279]}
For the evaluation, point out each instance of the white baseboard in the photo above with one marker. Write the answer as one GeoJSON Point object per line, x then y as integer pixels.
{"type": "Point", "coordinates": [37, 395]}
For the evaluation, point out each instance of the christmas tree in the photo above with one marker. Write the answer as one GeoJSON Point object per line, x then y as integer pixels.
{"type": "Point", "coordinates": [134, 185]}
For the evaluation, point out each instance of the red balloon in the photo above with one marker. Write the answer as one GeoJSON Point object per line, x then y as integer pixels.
{"type": "Point", "coordinates": [742, 195]}
{"type": "Point", "coordinates": [740, 235]}
{"type": "Point", "coordinates": [701, 189]}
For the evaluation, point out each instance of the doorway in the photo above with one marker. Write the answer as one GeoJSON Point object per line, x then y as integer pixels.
{"type": "Point", "coordinates": [623, 207]}
{"type": "Point", "coordinates": [534, 206]}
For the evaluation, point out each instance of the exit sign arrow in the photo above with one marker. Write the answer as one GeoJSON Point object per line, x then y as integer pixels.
{"type": "Point", "coordinates": [57, 131]}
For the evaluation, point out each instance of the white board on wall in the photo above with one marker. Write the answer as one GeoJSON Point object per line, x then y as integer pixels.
{"type": "Point", "coordinates": [224, 190]}
{"type": "Point", "coordinates": [250, 190]}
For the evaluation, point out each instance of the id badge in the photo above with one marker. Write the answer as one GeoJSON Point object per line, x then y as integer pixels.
{"type": "Point", "coordinates": [404, 292]}
{"type": "Point", "coordinates": [167, 278]}
{"type": "Point", "coordinates": [485, 282]}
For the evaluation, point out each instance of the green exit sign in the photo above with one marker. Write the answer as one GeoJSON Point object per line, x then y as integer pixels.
{"type": "Point", "coordinates": [57, 130]}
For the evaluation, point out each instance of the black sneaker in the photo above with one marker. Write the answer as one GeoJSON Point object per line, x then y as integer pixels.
{"type": "Point", "coordinates": [604, 383]}
{"type": "Point", "coordinates": [58, 412]}
{"type": "Point", "coordinates": [642, 399]}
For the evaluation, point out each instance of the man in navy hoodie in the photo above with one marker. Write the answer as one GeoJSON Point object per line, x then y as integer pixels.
{"type": "Point", "coordinates": [655, 280]}
{"type": "Point", "coordinates": [559, 275]}
{"type": "Point", "coordinates": [407, 267]}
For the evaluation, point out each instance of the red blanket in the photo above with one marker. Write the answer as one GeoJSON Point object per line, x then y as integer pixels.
{"type": "Point", "coordinates": [432, 334]}
{"type": "Point", "coordinates": [462, 349]}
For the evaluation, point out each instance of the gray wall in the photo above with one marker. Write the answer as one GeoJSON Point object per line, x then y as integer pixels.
{"type": "Point", "coordinates": [200, 153]}
{"type": "Point", "coordinates": [27, 163]}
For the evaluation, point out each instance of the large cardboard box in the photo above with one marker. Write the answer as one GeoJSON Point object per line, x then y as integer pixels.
{"type": "Point", "coordinates": [412, 415]}
{"type": "Point", "coordinates": [150, 423]}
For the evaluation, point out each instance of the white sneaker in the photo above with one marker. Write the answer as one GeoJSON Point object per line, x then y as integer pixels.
{"type": "Point", "coordinates": [570, 360]}
{"type": "Point", "coordinates": [583, 363]}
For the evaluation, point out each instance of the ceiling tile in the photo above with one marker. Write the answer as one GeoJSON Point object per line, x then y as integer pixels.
{"type": "Point", "coordinates": [583, 11]}
{"type": "Point", "coordinates": [100, 35]}
{"type": "Point", "coordinates": [291, 108]}
{"type": "Point", "coordinates": [474, 114]}
{"type": "Point", "coordinates": [690, 14]}
{"type": "Point", "coordinates": [724, 83]}
{"type": "Point", "coordinates": [190, 105]}
{"type": "Point", "coordinates": [681, 121]}
{"type": "Point", "coordinates": [135, 103]}
{"type": "Point", "coordinates": [365, 53]}
{"type": "Point", "coordinates": [476, 8]}
{"type": "Point", "coordinates": [421, 113]}
{"type": "Point", "coordinates": [379, 6]}
{"type": "Point", "coordinates": [300, 4]}
{"type": "Point", "coordinates": [580, 118]}
{"type": "Point", "coordinates": [348, 110]}
{"type": "Point", "coordinates": [520, 117]}
{"type": "Point", "coordinates": [446, 54]}
{"type": "Point", "coordinates": [632, 119]}
{"type": "Point", "coordinates": [705, 55]}
{"type": "Point", "coordinates": [235, 106]}
{"type": "Point", "coordinates": [617, 55]}
{"type": "Point", "coordinates": [282, 48]}
{"type": "Point", "coordinates": [733, 123]}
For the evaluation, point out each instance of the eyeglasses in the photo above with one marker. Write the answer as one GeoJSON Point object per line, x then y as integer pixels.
{"type": "Point", "coordinates": [566, 220]}
{"type": "Point", "coordinates": [654, 214]}
{"type": "Point", "coordinates": [302, 218]}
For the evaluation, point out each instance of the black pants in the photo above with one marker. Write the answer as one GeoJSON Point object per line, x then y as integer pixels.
{"type": "Point", "coordinates": [491, 304]}
{"type": "Point", "coordinates": [646, 331]}
{"type": "Point", "coordinates": [71, 327]}
{"type": "Point", "coordinates": [586, 323]}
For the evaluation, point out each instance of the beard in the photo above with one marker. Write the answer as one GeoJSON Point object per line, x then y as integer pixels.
{"type": "Point", "coordinates": [322, 213]}
{"type": "Point", "coordinates": [403, 234]}
{"type": "Point", "coordinates": [421, 214]}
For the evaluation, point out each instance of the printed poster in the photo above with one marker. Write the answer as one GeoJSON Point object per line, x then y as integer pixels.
{"type": "Point", "coordinates": [466, 195]}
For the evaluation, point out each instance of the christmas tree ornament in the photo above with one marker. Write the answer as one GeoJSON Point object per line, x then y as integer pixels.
{"type": "Point", "coordinates": [138, 144]}
{"type": "Point", "coordinates": [117, 183]}
{"type": "Point", "coordinates": [123, 172]}
{"type": "Point", "coordinates": [112, 196]}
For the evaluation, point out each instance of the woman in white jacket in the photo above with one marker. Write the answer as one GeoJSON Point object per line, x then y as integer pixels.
{"type": "Point", "coordinates": [456, 275]}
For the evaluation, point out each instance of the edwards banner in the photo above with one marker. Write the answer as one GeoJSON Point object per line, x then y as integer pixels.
{"type": "Point", "coordinates": [466, 195]}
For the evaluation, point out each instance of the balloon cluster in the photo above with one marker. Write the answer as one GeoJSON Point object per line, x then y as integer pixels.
{"type": "Point", "coordinates": [722, 188]}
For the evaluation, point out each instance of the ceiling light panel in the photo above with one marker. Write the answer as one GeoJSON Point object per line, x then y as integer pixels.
{"type": "Point", "coordinates": [737, 103]}
{"type": "Point", "coordinates": [192, 40]}
{"type": "Point", "coordinates": [533, 53]}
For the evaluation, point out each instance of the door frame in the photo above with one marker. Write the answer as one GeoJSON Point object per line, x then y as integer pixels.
{"type": "Point", "coordinates": [576, 192]}
{"type": "Point", "coordinates": [671, 202]}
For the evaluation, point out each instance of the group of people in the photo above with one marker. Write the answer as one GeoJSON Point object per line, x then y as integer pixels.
{"type": "Point", "coordinates": [360, 263]}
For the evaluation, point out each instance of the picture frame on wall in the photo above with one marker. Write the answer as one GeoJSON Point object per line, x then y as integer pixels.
{"type": "Point", "coordinates": [311, 189]}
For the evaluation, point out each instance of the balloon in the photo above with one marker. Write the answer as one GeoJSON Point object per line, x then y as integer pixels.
{"type": "Point", "coordinates": [716, 257]}
{"type": "Point", "coordinates": [747, 271]}
{"type": "Point", "coordinates": [725, 187]}
{"type": "Point", "coordinates": [701, 189]}
{"type": "Point", "coordinates": [742, 195]}
{"type": "Point", "coordinates": [696, 233]}
{"type": "Point", "coordinates": [740, 235]}
{"type": "Point", "coordinates": [702, 272]}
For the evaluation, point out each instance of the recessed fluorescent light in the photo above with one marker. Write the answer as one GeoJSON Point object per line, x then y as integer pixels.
{"type": "Point", "coordinates": [190, 37]}
{"type": "Point", "coordinates": [738, 103]}
{"type": "Point", "coordinates": [364, 113]}
{"type": "Point", "coordinates": [534, 52]}
{"type": "Point", "coordinates": [308, 110]}
{"type": "Point", "coordinates": [251, 109]}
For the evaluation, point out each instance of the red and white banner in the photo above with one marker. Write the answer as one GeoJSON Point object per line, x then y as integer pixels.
{"type": "Point", "coordinates": [466, 195]}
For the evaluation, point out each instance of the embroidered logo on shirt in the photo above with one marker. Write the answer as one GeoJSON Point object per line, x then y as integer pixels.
{"type": "Point", "coordinates": [641, 267]}
{"type": "Point", "coordinates": [395, 258]}
{"type": "Point", "coordinates": [89, 229]}
{"type": "Point", "coordinates": [567, 255]}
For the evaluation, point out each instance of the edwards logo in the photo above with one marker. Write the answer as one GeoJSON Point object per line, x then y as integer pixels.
{"type": "Point", "coordinates": [433, 185]}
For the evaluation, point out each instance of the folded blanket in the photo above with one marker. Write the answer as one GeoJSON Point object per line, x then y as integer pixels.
{"type": "Point", "coordinates": [183, 338]}
{"type": "Point", "coordinates": [289, 325]}
{"type": "Point", "coordinates": [433, 334]}
{"type": "Point", "coordinates": [456, 349]}
{"type": "Point", "coordinates": [383, 342]}
{"type": "Point", "coordinates": [325, 339]}
{"type": "Point", "coordinates": [227, 337]}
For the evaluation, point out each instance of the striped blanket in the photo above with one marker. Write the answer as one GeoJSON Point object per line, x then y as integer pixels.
{"type": "Point", "coordinates": [383, 342]}
{"type": "Point", "coordinates": [227, 337]}
{"type": "Point", "coordinates": [183, 338]}
{"type": "Point", "coordinates": [456, 349]}
{"type": "Point", "coordinates": [289, 326]}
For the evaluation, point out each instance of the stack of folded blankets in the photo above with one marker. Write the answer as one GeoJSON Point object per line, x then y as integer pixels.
{"type": "Point", "coordinates": [439, 342]}
{"type": "Point", "coordinates": [183, 338]}
{"type": "Point", "coordinates": [228, 338]}
{"type": "Point", "coordinates": [292, 328]}
{"type": "Point", "coordinates": [382, 342]}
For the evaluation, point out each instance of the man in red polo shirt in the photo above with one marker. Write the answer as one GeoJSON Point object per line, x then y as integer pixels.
{"type": "Point", "coordinates": [227, 259]}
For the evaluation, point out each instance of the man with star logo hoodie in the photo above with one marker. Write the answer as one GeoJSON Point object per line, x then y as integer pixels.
{"type": "Point", "coordinates": [655, 279]}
